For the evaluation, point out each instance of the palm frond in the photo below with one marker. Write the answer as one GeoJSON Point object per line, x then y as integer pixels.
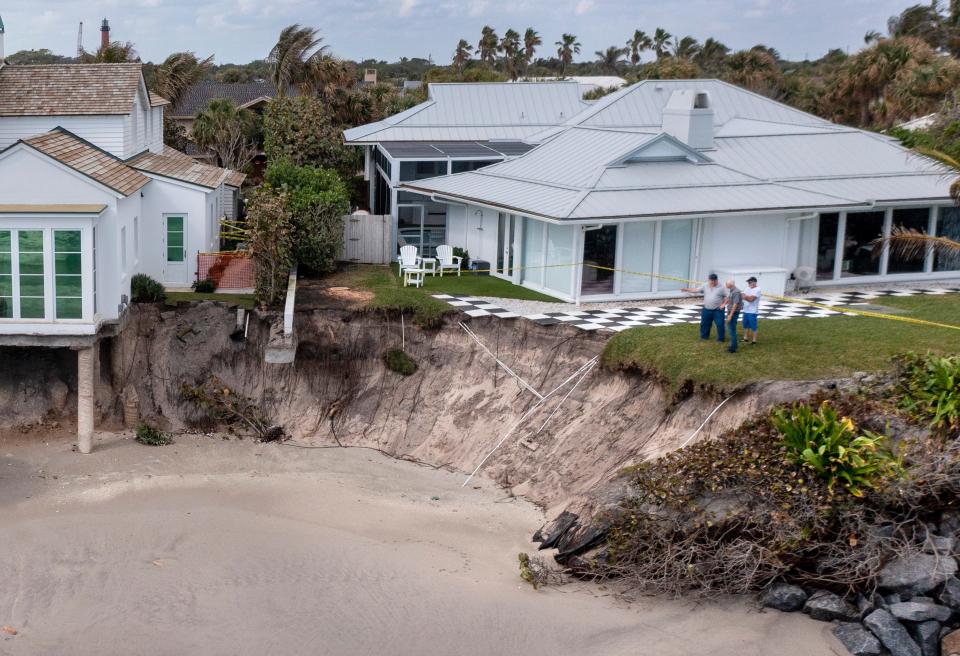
{"type": "Point", "coordinates": [908, 244]}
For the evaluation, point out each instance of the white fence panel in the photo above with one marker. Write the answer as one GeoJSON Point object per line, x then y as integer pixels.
{"type": "Point", "coordinates": [366, 238]}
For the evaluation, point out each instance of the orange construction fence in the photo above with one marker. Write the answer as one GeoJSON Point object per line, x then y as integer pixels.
{"type": "Point", "coordinates": [228, 270]}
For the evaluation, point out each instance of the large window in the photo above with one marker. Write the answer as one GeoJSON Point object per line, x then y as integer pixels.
{"type": "Point", "coordinates": [420, 170]}
{"type": "Point", "coordinates": [639, 239]}
{"type": "Point", "coordinates": [381, 159]}
{"type": "Point", "coordinates": [68, 268]}
{"type": "Point", "coordinates": [532, 251]}
{"type": "Point", "coordinates": [175, 243]}
{"type": "Point", "coordinates": [381, 195]}
{"type": "Point", "coordinates": [827, 245]}
{"type": "Point", "coordinates": [859, 258]}
{"type": "Point", "coordinates": [559, 251]}
{"type": "Point", "coordinates": [914, 218]}
{"type": "Point", "coordinates": [948, 225]}
{"type": "Point", "coordinates": [462, 166]}
{"type": "Point", "coordinates": [6, 275]}
{"type": "Point", "coordinates": [676, 243]}
{"type": "Point", "coordinates": [32, 296]}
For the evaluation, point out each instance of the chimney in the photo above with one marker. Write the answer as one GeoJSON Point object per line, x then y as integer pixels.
{"type": "Point", "coordinates": [3, 53]}
{"type": "Point", "coordinates": [104, 34]}
{"type": "Point", "coordinates": [688, 116]}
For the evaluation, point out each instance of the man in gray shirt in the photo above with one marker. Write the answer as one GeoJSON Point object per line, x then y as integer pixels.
{"type": "Point", "coordinates": [711, 312]}
{"type": "Point", "coordinates": [733, 304]}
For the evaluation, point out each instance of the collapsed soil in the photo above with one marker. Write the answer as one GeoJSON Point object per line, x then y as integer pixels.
{"type": "Point", "coordinates": [232, 547]}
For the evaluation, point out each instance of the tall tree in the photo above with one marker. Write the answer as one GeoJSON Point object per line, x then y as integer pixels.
{"type": "Point", "coordinates": [115, 52]}
{"type": "Point", "coordinates": [661, 42]}
{"type": "Point", "coordinates": [462, 55]}
{"type": "Point", "coordinates": [179, 72]}
{"type": "Point", "coordinates": [637, 44]}
{"type": "Point", "coordinates": [711, 56]}
{"type": "Point", "coordinates": [611, 59]}
{"type": "Point", "coordinates": [567, 47]}
{"type": "Point", "coordinates": [685, 48]}
{"type": "Point", "coordinates": [488, 46]}
{"type": "Point", "coordinates": [531, 41]}
{"type": "Point", "coordinates": [872, 36]}
{"type": "Point", "coordinates": [923, 22]}
{"type": "Point", "coordinates": [295, 56]}
{"type": "Point", "coordinates": [230, 132]}
{"type": "Point", "coordinates": [512, 53]}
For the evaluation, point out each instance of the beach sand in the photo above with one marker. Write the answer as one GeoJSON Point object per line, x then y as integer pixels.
{"type": "Point", "coordinates": [230, 547]}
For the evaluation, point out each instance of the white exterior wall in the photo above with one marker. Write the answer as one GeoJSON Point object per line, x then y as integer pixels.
{"type": "Point", "coordinates": [745, 241]}
{"type": "Point", "coordinates": [156, 134]}
{"type": "Point", "coordinates": [106, 132]}
{"type": "Point", "coordinates": [477, 233]}
{"type": "Point", "coordinates": [164, 197]}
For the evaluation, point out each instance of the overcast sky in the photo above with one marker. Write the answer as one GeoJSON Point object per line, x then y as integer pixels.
{"type": "Point", "coordinates": [242, 30]}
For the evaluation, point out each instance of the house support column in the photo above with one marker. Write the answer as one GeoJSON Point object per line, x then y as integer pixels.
{"type": "Point", "coordinates": [85, 397]}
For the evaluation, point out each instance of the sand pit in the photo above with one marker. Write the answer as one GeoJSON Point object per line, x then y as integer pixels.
{"type": "Point", "coordinates": [225, 547]}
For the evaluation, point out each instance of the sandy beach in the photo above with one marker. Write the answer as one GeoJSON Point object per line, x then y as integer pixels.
{"type": "Point", "coordinates": [224, 547]}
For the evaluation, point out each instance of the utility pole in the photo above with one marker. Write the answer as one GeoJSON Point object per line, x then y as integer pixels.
{"type": "Point", "coordinates": [80, 41]}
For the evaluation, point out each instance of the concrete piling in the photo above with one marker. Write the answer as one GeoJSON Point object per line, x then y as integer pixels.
{"type": "Point", "coordinates": [85, 399]}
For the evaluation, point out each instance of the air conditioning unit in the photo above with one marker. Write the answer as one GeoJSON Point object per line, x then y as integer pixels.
{"type": "Point", "coordinates": [804, 277]}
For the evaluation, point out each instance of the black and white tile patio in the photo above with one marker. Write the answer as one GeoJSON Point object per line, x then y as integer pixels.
{"type": "Point", "coordinates": [617, 319]}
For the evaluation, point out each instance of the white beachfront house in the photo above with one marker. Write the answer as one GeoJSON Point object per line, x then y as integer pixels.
{"type": "Point", "coordinates": [460, 127]}
{"type": "Point", "coordinates": [667, 181]}
{"type": "Point", "coordinates": [90, 196]}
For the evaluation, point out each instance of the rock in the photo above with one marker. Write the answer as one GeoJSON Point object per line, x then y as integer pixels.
{"type": "Point", "coordinates": [550, 534]}
{"type": "Point", "coordinates": [826, 607]}
{"type": "Point", "coordinates": [950, 644]}
{"type": "Point", "coordinates": [785, 597]}
{"type": "Point", "coordinates": [927, 635]}
{"type": "Point", "coordinates": [950, 523]}
{"type": "Point", "coordinates": [917, 573]}
{"type": "Point", "coordinates": [917, 611]}
{"type": "Point", "coordinates": [865, 606]}
{"type": "Point", "coordinates": [950, 594]}
{"type": "Point", "coordinates": [891, 633]}
{"type": "Point", "coordinates": [857, 639]}
{"type": "Point", "coordinates": [939, 544]}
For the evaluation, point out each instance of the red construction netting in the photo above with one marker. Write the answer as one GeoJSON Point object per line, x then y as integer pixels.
{"type": "Point", "coordinates": [229, 270]}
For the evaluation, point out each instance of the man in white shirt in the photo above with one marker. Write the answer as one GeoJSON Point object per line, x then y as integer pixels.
{"type": "Point", "coordinates": [751, 308]}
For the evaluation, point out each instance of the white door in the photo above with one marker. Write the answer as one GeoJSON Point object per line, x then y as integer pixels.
{"type": "Point", "coordinates": [175, 249]}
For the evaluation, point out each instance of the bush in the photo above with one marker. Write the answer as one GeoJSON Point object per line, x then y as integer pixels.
{"type": "Point", "coordinates": [465, 254]}
{"type": "Point", "coordinates": [151, 436]}
{"type": "Point", "coordinates": [930, 389]}
{"type": "Point", "coordinates": [317, 201]}
{"type": "Point", "coordinates": [830, 447]}
{"type": "Point", "coordinates": [398, 361]}
{"type": "Point", "coordinates": [269, 234]}
{"type": "Point", "coordinates": [205, 286]}
{"type": "Point", "coordinates": [144, 289]}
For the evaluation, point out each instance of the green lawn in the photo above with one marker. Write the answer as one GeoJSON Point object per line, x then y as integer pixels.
{"type": "Point", "coordinates": [243, 300]}
{"type": "Point", "coordinates": [470, 285]}
{"type": "Point", "coordinates": [790, 349]}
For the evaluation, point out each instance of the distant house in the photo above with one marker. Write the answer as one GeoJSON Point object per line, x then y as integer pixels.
{"type": "Point", "coordinates": [250, 95]}
{"type": "Point", "coordinates": [656, 185]}
{"type": "Point", "coordinates": [460, 127]}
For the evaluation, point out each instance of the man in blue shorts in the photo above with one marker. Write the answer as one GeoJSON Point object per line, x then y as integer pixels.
{"type": "Point", "coordinates": [751, 308]}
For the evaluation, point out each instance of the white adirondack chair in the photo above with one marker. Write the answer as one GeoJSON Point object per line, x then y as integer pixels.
{"type": "Point", "coordinates": [447, 260]}
{"type": "Point", "coordinates": [408, 260]}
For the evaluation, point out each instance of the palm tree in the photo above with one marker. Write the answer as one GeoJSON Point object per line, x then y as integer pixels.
{"type": "Point", "coordinates": [872, 36]}
{"type": "Point", "coordinates": [637, 44]}
{"type": "Point", "coordinates": [711, 55]}
{"type": "Point", "coordinates": [567, 47]}
{"type": "Point", "coordinates": [295, 56]}
{"type": "Point", "coordinates": [754, 69]}
{"type": "Point", "coordinates": [488, 45]}
{"type": "Point", "coordinates": [462, 55]}
{"type": "Point", "coordinates": [230, 132]}
{"type": "Point", "coordinates": [531, 40]}
{"type": "Point", "coordinates": [661, 40]}
{"type": "Point", "coordinates": [611, 58]}
{"type": "Point", "coordinates": [510, 47]}
{"type": "Point", "coordinates": [114, 52]}
{"type": "Point", "coordinates": [179, 72]}
{"type": "Point", "coordinates": [685, 48]}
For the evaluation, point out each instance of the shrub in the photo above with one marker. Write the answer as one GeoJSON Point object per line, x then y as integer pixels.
{"type": "Point", "coordinates": [398, 361]}
{"type": "Point", "coordinates": [144, 289]}
{"type": "Point", "coordinates": [269, 233]}
{"type": "Point", "coordinates": [930, 389]}
{"type": "Point", "coordinates": [465, 254]}
{"type": "Point", "coordinates": [205, 286]}
{"type": "Point", "coordinates": [829, 446]}
{"type": "Point", "coordinates": [151, 436]}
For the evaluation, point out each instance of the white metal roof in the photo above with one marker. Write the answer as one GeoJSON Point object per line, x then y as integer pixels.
{"type": "Point", "coordinates": [478, 111]}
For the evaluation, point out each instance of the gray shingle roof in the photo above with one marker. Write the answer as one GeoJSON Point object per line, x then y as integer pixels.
{"type": "Point", "coordinates": [68, 89]}
{"type": "Point", "coordinates": [196, 98]}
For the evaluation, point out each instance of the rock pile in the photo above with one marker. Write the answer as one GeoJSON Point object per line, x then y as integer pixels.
{"type": "Point", "coordinates": [915, 612]}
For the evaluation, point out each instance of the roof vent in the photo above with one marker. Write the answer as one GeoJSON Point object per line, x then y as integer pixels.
{"type": "Point", "coordinates": [688, 116]}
